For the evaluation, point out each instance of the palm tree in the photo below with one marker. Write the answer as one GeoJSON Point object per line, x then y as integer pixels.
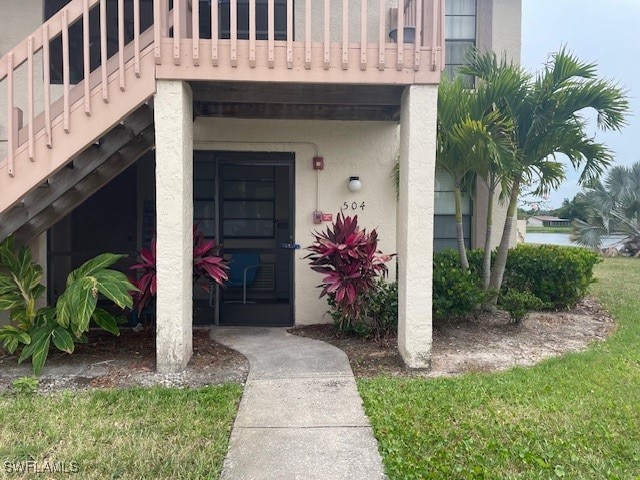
{"type": "Point", "coordinates": [612, 208]}
{"type": "Point", "coordinates": [547, 114]}
{"type": "Point", "coordinates": [492, 167]}
{"type": "Point", "coordinates": [470, 138]}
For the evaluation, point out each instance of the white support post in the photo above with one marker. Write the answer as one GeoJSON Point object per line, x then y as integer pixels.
{"type": "Point", "coordinates": [173, 109]}
{"type": "Point", "coordinates": [38, 246]}
{"type": "Point", "coordinates": [415, 223]}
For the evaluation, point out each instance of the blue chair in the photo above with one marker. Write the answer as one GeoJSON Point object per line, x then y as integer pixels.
{"type": "Point", "coordinates": [242, 271]}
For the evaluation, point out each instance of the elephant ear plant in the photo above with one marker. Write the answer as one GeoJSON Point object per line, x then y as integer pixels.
{"type": "Point", "coordinates": [350, 261]}
{"type": "Point", "coordinates": [32, 330]}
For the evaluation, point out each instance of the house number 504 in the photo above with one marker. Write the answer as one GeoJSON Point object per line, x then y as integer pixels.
{"type": "Point", "coordinates": [352, 206]}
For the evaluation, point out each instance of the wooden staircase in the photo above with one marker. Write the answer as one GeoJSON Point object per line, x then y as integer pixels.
{"type": "Point", "coordinates": [93, 168]}
{"type": "Point", "coordinates": [80, 142]}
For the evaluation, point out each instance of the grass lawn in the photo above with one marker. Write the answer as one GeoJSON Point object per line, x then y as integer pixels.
{"type": "Point", "coordinates": [574, 417]}
{"type": "Point", "coordinates": [548, 229]}
{"type": "Point", "coordinates": [137, 433]}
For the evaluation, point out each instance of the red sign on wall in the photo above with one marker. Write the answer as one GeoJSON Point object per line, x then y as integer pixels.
{"type": "Point", "coordinates": [327, 217]}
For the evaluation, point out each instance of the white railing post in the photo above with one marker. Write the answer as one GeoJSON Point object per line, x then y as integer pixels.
{"type": "Point", "coordinates": [136, 38]}
{"type": "Point", "coordinates": [363, 34]}
{"type": "Point", "coordinates": [233, 31]}
{"type": "Point", "coordinates": [214, 33]}
{"type": "Point", "coordinates": [46, 70]}
{"type": "Point", "coordinates": [177, 30]}
{"type": "Point", "coordinates": [103, 50]}
{"type": "Point", "coordinates": [289, 34]}
{"type": "Point", "coordinates": [10, 121]}
{"type": "Point", "coordinates": [65, 71]}
{"type": "Point", "coordinates": [271, 33]}
{"type": "Point", "coordinates": [30, 99]}
{"type": "Point", "coordinates": [327, 34]}
{"type": "Point", "coordinates": [307, 35]}
{"type": "Point", "coordinates": [418, 34]}
{"type": "Point", "coordinates": [86, 63]}
{"type": "Point", "coordinates": [195, 31]}
{"type": "Point", "coordinates": [382, 37]}
{"type": "Point", "coordinates": [400, 36]}
{"type": "Point", "coordinates": [121, 45]}
{"type": "Point", "coordinates": [252, 33]}
{"type": "Point", "coordinates": [345, 34]}
{"type": "Point", "coordinates": [157, 31]}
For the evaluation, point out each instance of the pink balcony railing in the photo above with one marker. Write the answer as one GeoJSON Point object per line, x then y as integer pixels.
{"type": "Point", "coordinates": [285, 35]}
{"type": "Point", "coordinates": [34, 53]}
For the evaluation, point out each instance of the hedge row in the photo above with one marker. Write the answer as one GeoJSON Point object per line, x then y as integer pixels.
{"type": "Point", "coordinates": [558, 276]}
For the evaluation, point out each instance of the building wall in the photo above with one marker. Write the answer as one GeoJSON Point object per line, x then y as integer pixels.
{"type": "Point", "coordinates": [335, 9]}
{"type": "Point", "coordinates": [366, 149]}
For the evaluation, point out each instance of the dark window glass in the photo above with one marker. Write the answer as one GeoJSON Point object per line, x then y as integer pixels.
{"type": "Point", "coordinates": [224, 22]}
{"type": "Point", "coordinates": [444, 232]}
{"type": "Point", "coordinates": [460, 34]}
{"type": "Point", "coordinates": [204, 205]}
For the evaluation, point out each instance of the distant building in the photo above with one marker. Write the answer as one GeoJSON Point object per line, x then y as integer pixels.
{"type": "Point", "coordinates": [545, 221]}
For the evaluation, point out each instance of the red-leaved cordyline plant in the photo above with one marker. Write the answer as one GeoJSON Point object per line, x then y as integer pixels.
{"type": "Point", "coordinates": [350, 261]}
{"type": "Point", "coordinates": [207, 263]}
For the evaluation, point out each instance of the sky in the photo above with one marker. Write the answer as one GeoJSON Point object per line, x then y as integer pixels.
{"type": "Point", "coordinates": [605, 32]}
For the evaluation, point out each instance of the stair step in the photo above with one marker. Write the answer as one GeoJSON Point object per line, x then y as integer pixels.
{"type": "Point", "coordinates": [73, 197]}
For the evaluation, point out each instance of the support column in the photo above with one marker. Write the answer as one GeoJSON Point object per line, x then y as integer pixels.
{"type": "Point", "coordinates": [38, 247]}
{"type": "Point", "coordinates": [173, 115]}
{"type": "Point", "coordinates": [415, 223]}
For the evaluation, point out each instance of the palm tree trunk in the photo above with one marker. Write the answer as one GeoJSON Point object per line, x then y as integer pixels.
{"type": "Point", "coordinates": [486, 255]}
{"type": "Point", "coordinates": [462, 251]}
{"type": "Point", "coordinates": [501, 258]}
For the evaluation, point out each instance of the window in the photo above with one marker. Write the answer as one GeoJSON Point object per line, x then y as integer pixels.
{"type": "Point", "coordinates": [224, 20]}
{"type": "Point", "coordinates": [248, 202]}
{"type": "Point", "coordinates": [444, 216]}
{"type": "Point", "coordinates": [460, 33]}
{"type": "Point", "coordinates": [204, 202]}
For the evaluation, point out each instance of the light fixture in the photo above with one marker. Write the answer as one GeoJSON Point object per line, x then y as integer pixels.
{"type": "Point", "coordinates": [355, 184]}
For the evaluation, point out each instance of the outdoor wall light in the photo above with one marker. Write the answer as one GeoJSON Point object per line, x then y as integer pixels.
{"type": "Point", "coordinates": [355, 184]}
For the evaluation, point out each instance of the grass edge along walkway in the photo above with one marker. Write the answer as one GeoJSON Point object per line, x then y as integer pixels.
{"type": "Point", "coordinates": [133, 433]}
{"type": "Point", "coordinates": [576, 416]}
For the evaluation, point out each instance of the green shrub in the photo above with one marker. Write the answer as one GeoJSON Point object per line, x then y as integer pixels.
{"type": "Point", "coordinates": [380, 312]}
{"type": "Point", "coordinates": [518, 303]}
{"type": "Point", "coordinates": [455, 292]}
{"type": "Point", "coordinates": [558, 276]}
{"type": "Point", "coordinates": [381, 308]}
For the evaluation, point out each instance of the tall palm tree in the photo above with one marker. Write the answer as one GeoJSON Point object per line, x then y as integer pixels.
{"type": "Point", "coordinates": [547, 114]}
{"type": "Point", "coordinates": [613, 208]}
{"type": "Point", "coordinates": [491, 170]}
{"type": "Point", "coordinates": [470, 137]}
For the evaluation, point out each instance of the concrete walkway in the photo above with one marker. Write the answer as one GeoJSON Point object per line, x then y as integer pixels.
{"type": "Point", "coordinates": [301, 416]}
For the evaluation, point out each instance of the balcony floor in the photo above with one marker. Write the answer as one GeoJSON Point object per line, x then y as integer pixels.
{"type": "Point", "coordinates": [305, 101]}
